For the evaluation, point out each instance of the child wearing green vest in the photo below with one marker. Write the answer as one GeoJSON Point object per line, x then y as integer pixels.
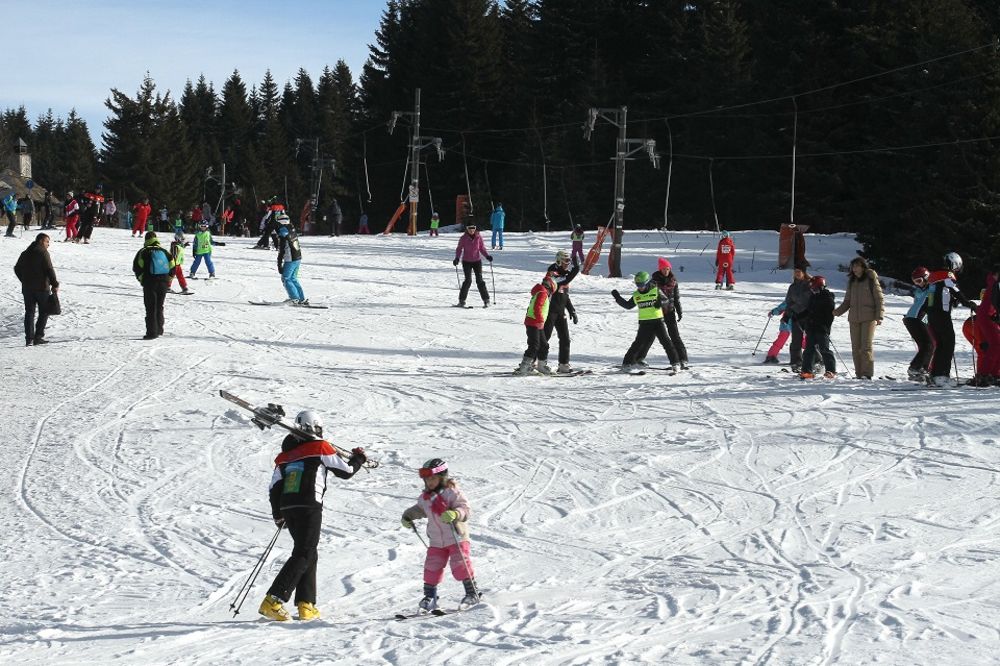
{"type": "Point", "coordinates": [534, 326]}
{"type": "Point", "coordinates": [203, 250]}
{"type": "Point", "coordinates": [435, 222]}
{"type": "Point", "coordinates": [647, 298]}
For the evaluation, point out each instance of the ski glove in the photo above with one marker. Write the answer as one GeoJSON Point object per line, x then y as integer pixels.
{"type": "Point", "coordinates": [449, 516]}
{"type": "Point", "coordinates": [279, 522]}
{"type": "Point", "coordinates": [575, 319]}
{"type": "Point", "coordinates": [358, 454]}
{"type": "Point", "coordinates": [455, 263]}
{"type": "Point", "coordinates": [489, 259]}
{"type": "Point", "coordinates": [678, 315]}
{"type": "Point", "coordinates": [406, 523]}
{"type": "Point", "coordinates": [614, 292]}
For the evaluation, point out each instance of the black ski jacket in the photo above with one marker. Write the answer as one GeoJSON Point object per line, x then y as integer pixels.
{"type": "Point", "coordinates": [819, 315]}
{"type": "Point", "coordinates": [559, 302]}
{"type": "Point", "coordinates": [299, 478]}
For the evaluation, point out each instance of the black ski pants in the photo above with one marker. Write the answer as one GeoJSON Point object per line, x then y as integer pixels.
{"type": "Point", "coordinates": [795, 352]}
{"type": "Point", "coordinates": [559, 323]}
{"type": "Point", "coordinates": [538, 346]}
{"type": "Point", "coordinates": [649, 330]}
{"type": "Point", "coordinates": [468, 267]}
{"type": "Point", "coordinates": [943, 334]}
{"type": "Point", "coordinates": [13, 222]}
{"type": "Point", "coordinates": [299, 571]}
{"type": "Point", "coordinates": [818, 341]}
{"type": "Point", "coordinates": [922, 338]}
{"type": "Point", "coordinates": [33, 300]}
{"type": "Point", "coordinates": [154, 295]}
{"type": "Point", "coordinates": [670, 320]}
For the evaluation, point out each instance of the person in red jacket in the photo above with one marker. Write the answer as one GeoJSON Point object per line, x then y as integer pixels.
{"type": "Point", "coordinates": [72, 213]}
{"type": "Point", "coordinates": [142, 211]}
{"type": "Point", "coordinates": [534, 326]}
{"type": "Point", "coordinates": [725, 255]}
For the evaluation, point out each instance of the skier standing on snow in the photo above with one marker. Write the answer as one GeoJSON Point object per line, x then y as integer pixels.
{"type": "Point", "coordinates": [647, 297]}
{"type": "Point", "coordinates": [497, 218]}
{"type": "Point", "coordinates": [670, 296]}
{"type": "Point", "coordinates": [88, 216]}
{"type": "Point", "coordinates": [797, 300]}
{"type": "Point", "coordinates": [988, 332]}
{"type": "Point", "coordinates": [561, 309]}
{"type": "Point", "coordinates": [203, 250]}
{"type": "Point", "coordinates": [71, 210]}
{"type": "Point", "coordinates": [446, 509]}
{"type": "Point", "coordinates": [534, 326]}
{"type": "Point", "coordinates": [177, 255]}
{"type": "Point", "coordinates": [943, 292]}
{"type": "Point", "coordinates": [142, 211]}
{"type": "Point", "coordinates": [38, 277]}
{"type": "Point", "coordinates": [298, 484]}
{"type": "Point", "coordinates": [725, 256]}
{"type": "Point", "coordinates": [289, 259]}
{"type": "Point", "coordinates": [866, 303]}
{"type": "Point", "coordinates": [916, 326]}
{"type": "Point", "coordinates": [10, 210]}
{"type": "Point", "coordinates": [818, 321]}
{"type": "Point", "coordinates": [577, 239]}
{"type": "Point", "coordinates": [152, 266]}
{"type": "Point", "coordinates": [470, 251]}
{"type": "Point", "coordinates": [784, 332]}
{"type": "Point", "coordinates": [435, 223]}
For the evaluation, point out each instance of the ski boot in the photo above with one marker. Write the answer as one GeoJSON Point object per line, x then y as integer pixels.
{"type": "Point", "coordinates": [564, 369]}
{"type": "Point", "coordinates": [829, 374]}
{"type": "Point", "coordinates": [471, 594]}
{"type": "Point", "coordinates": [428, 604]}
{"type": "Point", "coordinates": [916, 374]}
{"type": "Point", "coordinates": [640, 364]}
{"type": "Point", "coordinates": [307, 611]}
{"type": "Point", "coordinates": [806, 375]}
{"type": "Point", "coordinates": [718, 286]}
{"type": "Point", "coordinates": [684, 365]}
{"type": "Point", "coordinates": [527, 366]}
{"type": "Point", "coordinates": [771, 360]}
{"type": "Point", "coordinates": [795, 367]}
{"type": "Point", "coordinates": [674, 368]}
{"type": "Point", "coordinates": [730, 287]}
{"type": "Point", "coordinates": [274, 609]}
{"type": "Point", "coordinates": [939, 381]}
{"type": "Point", "coordinates": [543, 368]}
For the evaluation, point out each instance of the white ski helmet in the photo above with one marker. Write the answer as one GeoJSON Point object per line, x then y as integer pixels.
{"type": "Point", "coordinates": [309, 422]}
{"type": "Point", "coordinates": [953, 262]}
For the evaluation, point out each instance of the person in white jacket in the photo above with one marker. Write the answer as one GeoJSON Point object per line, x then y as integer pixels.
{"type": "Point", "coordinates": [447, 512]}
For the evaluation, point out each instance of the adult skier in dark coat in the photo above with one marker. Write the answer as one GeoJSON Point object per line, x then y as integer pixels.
{"type": "Point", "coordinates": [561, 309]}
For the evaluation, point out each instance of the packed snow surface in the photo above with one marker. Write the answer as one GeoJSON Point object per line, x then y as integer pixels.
{"type": "Point", "coordinates": [731, 514]}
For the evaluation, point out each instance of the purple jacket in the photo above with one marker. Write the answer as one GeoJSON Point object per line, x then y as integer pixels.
{"type": "Point", "coordinates": [471, 248]}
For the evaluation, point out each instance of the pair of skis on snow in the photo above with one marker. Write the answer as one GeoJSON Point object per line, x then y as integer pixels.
{"type": "Point", "coordinates": [310, 306]}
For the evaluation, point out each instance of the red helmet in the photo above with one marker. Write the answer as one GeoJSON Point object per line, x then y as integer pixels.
{"type": "Point", "coordinates": [817, 283]}
{"type": "Point", "coordinates": [920, 273]}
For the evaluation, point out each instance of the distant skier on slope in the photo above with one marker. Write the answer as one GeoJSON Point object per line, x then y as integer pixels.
{"type": "Point", "coordinates": [647, 297]}
{"type": "Point", "coordinates": [289, 259]}
{"type": "Point", "coordinates": [446, 509]}
{"type": "Point", "coordinates": [561, 309]}
{"type": "Point", "coordinates": [725, 256]}
{"type": "Point", "coordinates": [298, 484]}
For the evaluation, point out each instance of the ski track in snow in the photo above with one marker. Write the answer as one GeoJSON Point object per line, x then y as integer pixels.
{"type": "Point", "coordinates": [729, 514]}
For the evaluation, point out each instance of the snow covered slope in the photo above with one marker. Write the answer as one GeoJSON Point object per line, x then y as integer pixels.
{"type": "Point", "coordinates": [730, 514]}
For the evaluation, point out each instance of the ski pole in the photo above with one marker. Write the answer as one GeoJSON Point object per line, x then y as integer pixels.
{"type": "Point", "coordinates": [458, 280]}
{"type": "Point", "coordinates": [257, 568]}
{"type": "Point", "coordinates": [414, 528]}
{"type": "Point", "coordinates": [493, 280]}
{"type": "Point", "coordinates": [761, 336]}
{"type": "Point", "coordinates": [465, 560]}
{"type": "Point", "coordinates": [838, 354]}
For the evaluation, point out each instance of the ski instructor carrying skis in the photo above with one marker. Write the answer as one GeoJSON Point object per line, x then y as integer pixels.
{"type": "Point", "coordinates": [470, 252]}
{"type": "Point", "coordinates": [296, 493]}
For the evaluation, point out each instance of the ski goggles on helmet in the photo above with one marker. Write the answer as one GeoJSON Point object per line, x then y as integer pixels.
{"type": "Point", "coordinates": [428, 472]}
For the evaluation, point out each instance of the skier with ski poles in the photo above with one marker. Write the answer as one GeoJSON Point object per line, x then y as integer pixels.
{"type": "Point", "coordinates": [298, 484]}
{"type": "Point", "coordinates": [561, 310]}
{"type": "Point", "coordinates": [784, 332]}
{"type": "Point", "coordinates": [647, 297]}
{"type": "Point", "coordinates": [470, 251]}
{"type": "Point", "coordinates": [943, 293]}
{"type": "Point", "coordinates": [446, 509]}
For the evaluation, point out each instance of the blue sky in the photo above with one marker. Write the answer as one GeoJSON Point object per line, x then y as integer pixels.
{"type": "Point", "coordinates": [69, 54]}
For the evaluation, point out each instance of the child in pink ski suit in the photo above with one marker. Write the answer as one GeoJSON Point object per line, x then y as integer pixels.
{"type": "Point", "coordinates": [784, 332]}
{"type": "Point", "coordinates": [447, 513]}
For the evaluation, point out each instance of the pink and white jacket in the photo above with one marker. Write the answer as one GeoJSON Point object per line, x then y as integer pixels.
{"type": "Point", "coordinates": [431, 505]}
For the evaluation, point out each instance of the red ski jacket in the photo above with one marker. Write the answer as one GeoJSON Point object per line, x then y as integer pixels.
{"type": "Point", "coordinates": [726, 253]}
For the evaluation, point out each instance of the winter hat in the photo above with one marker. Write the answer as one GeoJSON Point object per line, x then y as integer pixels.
{"type": "Point", "coordinates": [801, 266]}
{"type": "Point", "coordinates": [664, 265]}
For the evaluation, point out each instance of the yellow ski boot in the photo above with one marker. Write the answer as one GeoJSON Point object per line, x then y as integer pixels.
{"type": "Point", "coordinates": [273, 609]}
{"type": "Point", "coordinates": [307, 611]}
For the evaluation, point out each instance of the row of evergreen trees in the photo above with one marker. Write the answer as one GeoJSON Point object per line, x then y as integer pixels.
{"type": "Point", "coordinates": [892, 108]}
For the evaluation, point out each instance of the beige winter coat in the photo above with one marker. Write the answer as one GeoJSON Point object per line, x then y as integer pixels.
{"type": "Point", "coordinates": [863, 298]}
